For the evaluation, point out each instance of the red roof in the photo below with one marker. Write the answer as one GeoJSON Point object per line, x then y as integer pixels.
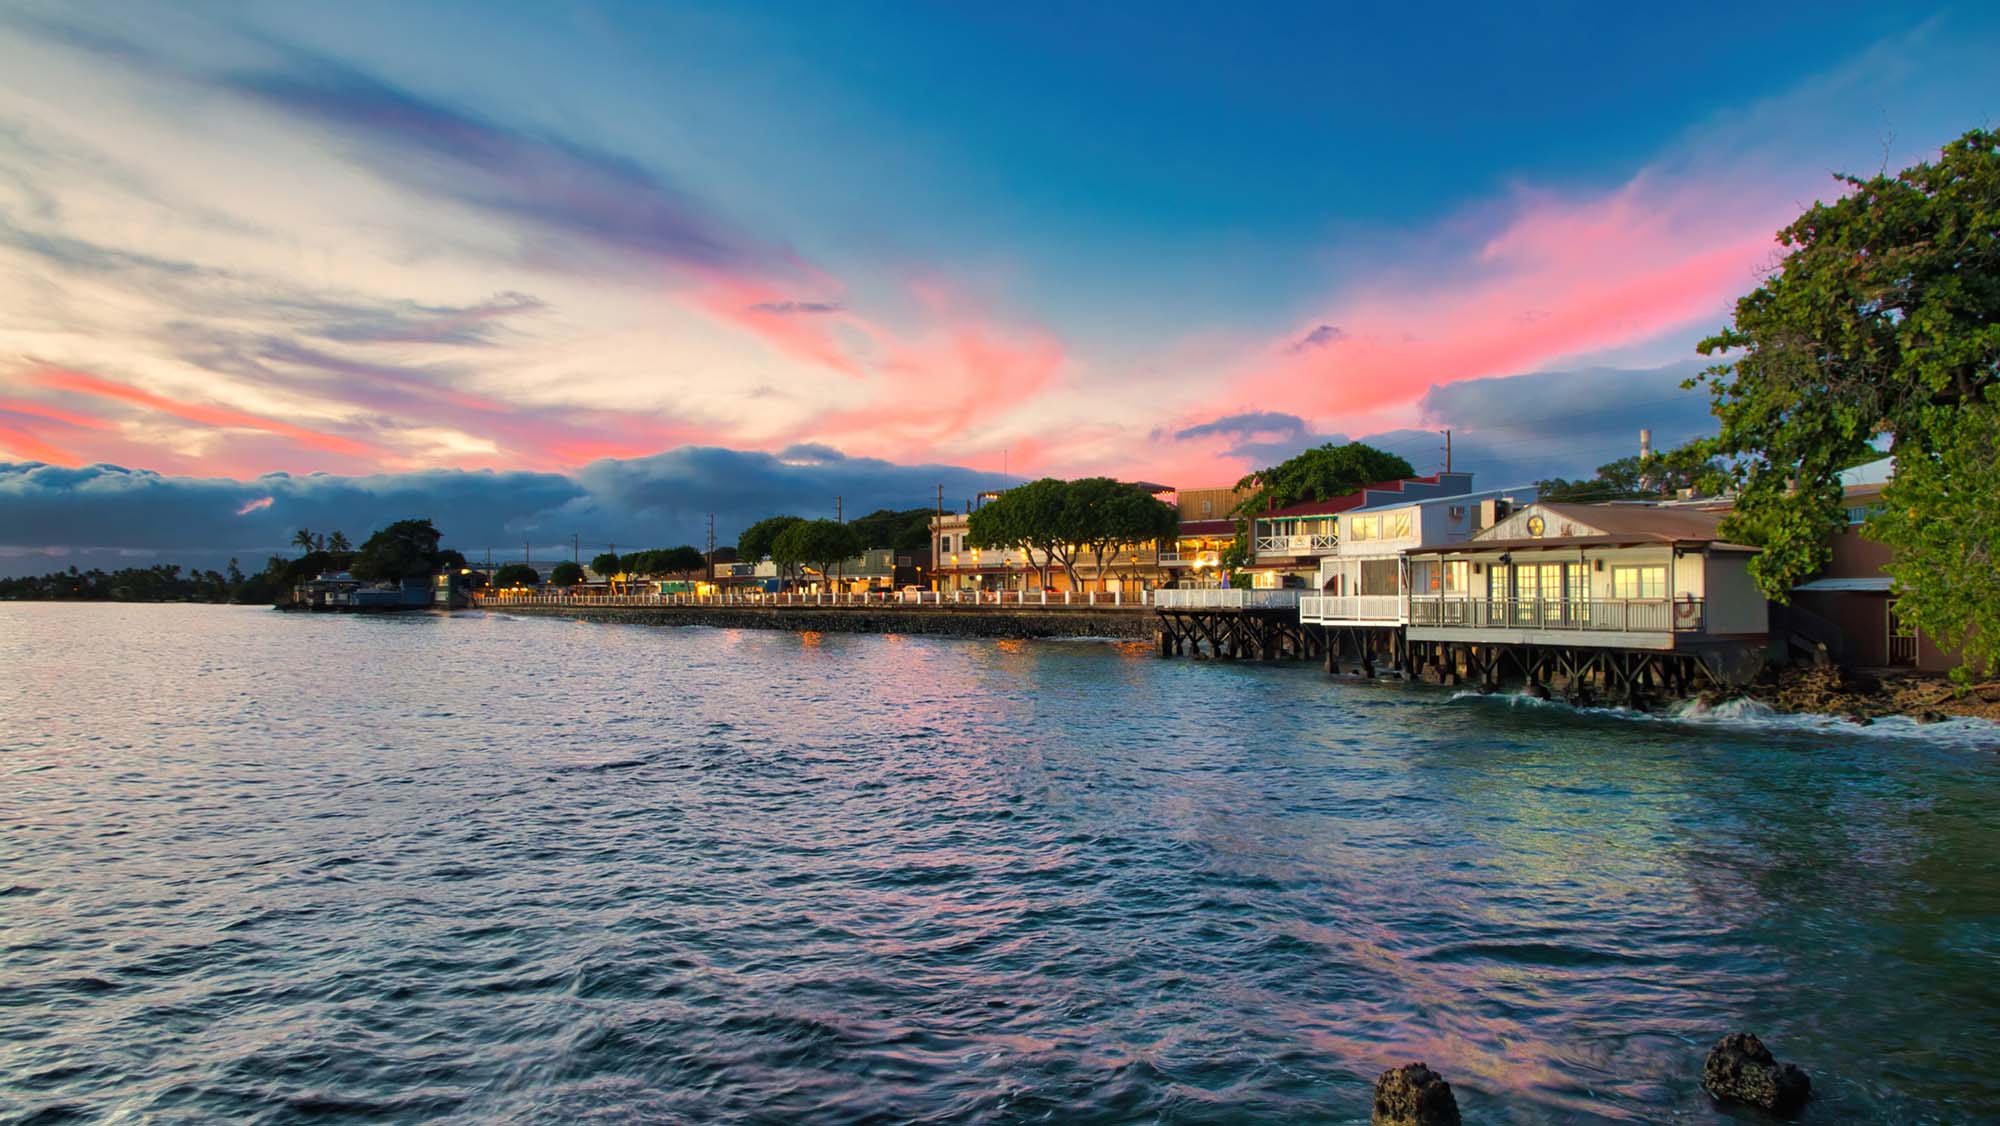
{"type": "Point", "coordinates": [1342, 503]}
{"type": "Point", "coordinates": [1208, 527]}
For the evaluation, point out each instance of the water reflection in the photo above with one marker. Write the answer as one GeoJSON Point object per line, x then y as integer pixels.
{"type": "Point", "coordinates": [500, 868]}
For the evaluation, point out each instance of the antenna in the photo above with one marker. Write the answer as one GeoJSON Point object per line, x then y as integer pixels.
{"type": "Point", "coordinates": [1447, 449]}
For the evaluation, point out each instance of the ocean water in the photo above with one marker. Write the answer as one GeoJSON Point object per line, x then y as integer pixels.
{"type": "Point", "coordinates": [269, 868]}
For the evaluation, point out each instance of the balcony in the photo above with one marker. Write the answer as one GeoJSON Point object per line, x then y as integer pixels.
{"type": "Point", "coordinates": [1296, 545]}
{"type": "Point", "coordinates": [1384, 608]}
{"type": "Point", "coordinates": [1618, 615]}
{"type": "Point", "coordinates": [1219, 599]}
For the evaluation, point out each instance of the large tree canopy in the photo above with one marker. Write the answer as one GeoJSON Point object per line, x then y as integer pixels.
{"type": "Point", "coordinates": [821, 545]}
{"type": "Point", "coordinates": [407, 549]}
{"type": "Point", "coordinates": [1318, 474]}
{"type": "Point", "coordinates": [1057, 522]}
{"type": "Point", "coordinates": [756, 540]}
{"type": "Point", "coordinates": [1655, 476]}
{"type": "Point", "coordinates": [1883, 320]}
{"type": "Point", "coordinates": [907, 530]}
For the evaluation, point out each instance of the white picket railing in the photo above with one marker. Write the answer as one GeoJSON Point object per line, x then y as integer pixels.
{"type": "Point", "coordinates": [1225, 599]}
{"type": "Point", "coordinates": [1615, 615]}
{"type": "Point", "coordinates": [1386, 608]}
{"type": "Point", "coordinates": [969, 598]}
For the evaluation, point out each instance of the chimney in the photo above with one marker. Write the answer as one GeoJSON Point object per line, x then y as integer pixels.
{"type": "Point", "coordinates": [1645, 444]}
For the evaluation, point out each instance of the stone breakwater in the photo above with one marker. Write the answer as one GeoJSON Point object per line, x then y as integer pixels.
{"type": "Point", "coordinates": [988, 622]}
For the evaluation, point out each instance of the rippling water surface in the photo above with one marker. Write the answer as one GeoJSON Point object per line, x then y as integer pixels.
{"type": "Point", "coordinates": [274, 868]}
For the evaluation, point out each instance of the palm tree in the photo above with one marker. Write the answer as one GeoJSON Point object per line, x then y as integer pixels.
{"type": "Point", "coordinates": [338, 542]}
{"type": "Point", "coordinates": [303, 540]}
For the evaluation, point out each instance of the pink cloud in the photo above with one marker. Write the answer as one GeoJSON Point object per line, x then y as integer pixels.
{"type": "Point", "coordinates": [83, 383]}
{"type": "Point", "coordinates": [1561, 278]}
{"type": "Point", "coordinates": [254, 506]}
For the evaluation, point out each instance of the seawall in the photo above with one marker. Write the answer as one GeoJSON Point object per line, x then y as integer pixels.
{"type": "Point", "coordinates": [1002, 623]}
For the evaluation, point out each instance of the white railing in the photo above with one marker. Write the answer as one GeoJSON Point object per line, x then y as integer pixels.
{"type": "Point", "coordinates": [1617, 615]}
{"type": "Point", "coordinates": [1351, 608]}
{"type": "Point", "coordinates": [1114, 599]}
{"type": "Point", "coordinates": [1220, 599]}
{"type": "Point", "coordinates": [1287, 544]}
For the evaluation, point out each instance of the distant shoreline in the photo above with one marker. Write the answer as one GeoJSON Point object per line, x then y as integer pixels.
{"type": "Point", "coordinates": [991, 623]}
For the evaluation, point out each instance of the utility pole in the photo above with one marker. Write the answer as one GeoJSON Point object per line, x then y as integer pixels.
{"type": "Point", "coordinates": [1447, 449]}
{"type": "Point", "coordinates": [575, 549]}
{"type": "Point", "coordinates": [711, 546]}
{"type": "Point", "coordinates": [837, 517]}
{"type": "Point", "coordinates": [937, 541]}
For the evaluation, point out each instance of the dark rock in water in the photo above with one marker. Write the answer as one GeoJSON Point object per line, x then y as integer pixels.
{"type": "Point", "coordinates": [1932, 717]}
{"type": "Point", "coordinates": [1741, 1069]}
{"type": "Point", "coordinates": [1859, 719]}
{"type": "Point", "coordinates": [1413, 1095]}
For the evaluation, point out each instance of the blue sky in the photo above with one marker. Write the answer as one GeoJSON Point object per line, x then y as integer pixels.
{"type": "Point", "coordinates": [378, 240]}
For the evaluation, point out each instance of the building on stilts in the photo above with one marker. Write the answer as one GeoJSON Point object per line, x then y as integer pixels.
{"type": "Point", "coordinates": [1364, 586]}
{"type": "Point", "coordinates": [1621, 603]}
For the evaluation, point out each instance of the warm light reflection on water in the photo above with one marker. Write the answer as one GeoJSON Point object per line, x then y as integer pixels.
{"type": "Point", "coordinates": [488, 868]}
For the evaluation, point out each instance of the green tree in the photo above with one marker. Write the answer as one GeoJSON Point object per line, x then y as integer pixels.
{"type": "Point", "coordinates": [758, 539]}
{"type": "Point", "coordinates": [1883, 319]}
{"type": "Point", "coordinates": [407, 549]}
{"type": "Point", "coordinates": [606, 564]}
{"type": "Point", "coordinates": [337, 542]}
{"type": "Point", "coordinates": [1655, 476]}
{"type": "Point", "coordinates": [1319, 474]}
{"type": "Point", "coordinates": [907, 530]}
{"type": "Point", "coordinates": [303, 539]}
{"type": "Point", "coordinates": [516, 574]}
{"type": "Point", "coordinates": [1107, 516]}
{"type": "Point", "coordinates": [566, 574]}
{"type": "Point", "coordinates": [817, 545]}
{"type": "Point", "coordinates": [1038, 518]}
{"type": "Point", "coordinates": [686, 562]}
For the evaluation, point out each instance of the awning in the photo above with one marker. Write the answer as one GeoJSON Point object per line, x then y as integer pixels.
{"type": "Point", "coordinates": [1875, 584]}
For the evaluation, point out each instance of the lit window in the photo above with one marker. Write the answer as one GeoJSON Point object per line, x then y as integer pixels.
{"type": "Point", "coordinates": [1639, 582]}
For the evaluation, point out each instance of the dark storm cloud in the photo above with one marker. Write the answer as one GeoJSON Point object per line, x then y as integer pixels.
{"type": "Point", "coordinates": [1262, 437]}
{"type": "Point", "coordinates": [51, 515]}
{"type": "Point", "coordinates": [1508, 429]}
{"type": "Point", "coordinates": [1562, 423]}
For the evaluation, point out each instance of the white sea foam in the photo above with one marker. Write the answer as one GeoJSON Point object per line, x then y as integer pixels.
{"type": "Point", "coordinates": [1743, 713]}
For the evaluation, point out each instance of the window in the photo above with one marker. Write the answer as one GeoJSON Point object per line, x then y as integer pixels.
{"type": "Point", "coordinates": [1381, 576]}
{"type": "Point", "coordinates": [1456, 512]}
{"type": "Point", "coordinates": [1639, 582]}
{"type": "Point", "coordinates": [1396, 526]}
{"type": "Point", "coordinates": [1496, 582]}
{"type": "Point", "coordinates": [1456, 578]}
{"type": "Point", "coordinates": [1361, 529]}
{"type": "Point", "coordinates": [1208, 508]}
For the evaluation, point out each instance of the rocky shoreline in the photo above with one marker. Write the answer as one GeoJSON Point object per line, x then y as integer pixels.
{"type": "Point", "coordinates": [1866, 697]}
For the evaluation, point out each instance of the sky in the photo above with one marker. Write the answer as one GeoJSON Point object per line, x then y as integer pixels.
{"type": "Point", "coordinates": [595, 270]}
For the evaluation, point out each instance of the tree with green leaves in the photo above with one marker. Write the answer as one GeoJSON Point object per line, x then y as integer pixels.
{"type": "Point", "coordinates": [685, 562]}
{"type": "Point", "coordinates": [303, 539]}
{"type": "Point", "coordinates": [816, 545]}
{"type": "Point", "coordinates": [755, 544]}
{"type": "Point", "coordinates": [907, 530]}
{"type": "Point", "coordinates": [1038, 520]}
{"type": "Point", "coordinates": [337, 543]}
{"type": "Point", "coordinates": [407, 549]}
{"type": "Point", "coordinates": [1109, 516]}
{"type": "Point", "coordinates": [1319, 473]}
{"type": "Point", "coordinates": [1882, 321]}
{"type": "Point", "coordinates": [566, 574]}
{"type": "Point", "coordinates": [606, 564]}
{"type": "Point", "coordinates": [516, 574]}
{"type": "Point", "coordinates": [1656, 476]}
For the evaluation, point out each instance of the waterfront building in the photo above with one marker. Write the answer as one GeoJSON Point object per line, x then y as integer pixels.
{"type": "Point", "coordinates": [1629, 577]}
{"type": "Point", "coordinates": [1848, 607]}
{"type": "Point", "coordinates": [1366, 582]}
{"type": "Point", "coordinates": [1287, 544]}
